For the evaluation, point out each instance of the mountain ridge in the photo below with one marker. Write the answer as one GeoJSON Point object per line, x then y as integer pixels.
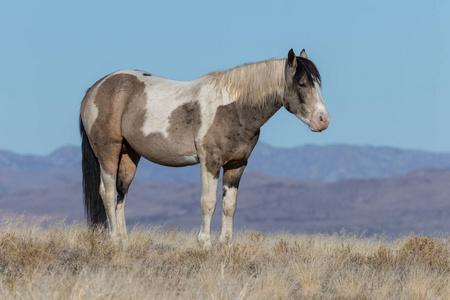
{"type": "Point", "coordinates": [304, 189]}
{"type": "Point", "coordinates": [329, 163]}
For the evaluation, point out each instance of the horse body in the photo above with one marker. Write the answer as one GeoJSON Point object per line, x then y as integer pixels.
{"type": "Point", "coordinates": [213, 120]}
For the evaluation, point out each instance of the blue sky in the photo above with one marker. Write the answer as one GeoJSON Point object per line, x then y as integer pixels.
{"type": "Point", "coordinates": [384, 64]}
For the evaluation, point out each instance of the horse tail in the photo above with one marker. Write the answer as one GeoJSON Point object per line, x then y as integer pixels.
{"type": "Point", "coordinates": [93, 203]}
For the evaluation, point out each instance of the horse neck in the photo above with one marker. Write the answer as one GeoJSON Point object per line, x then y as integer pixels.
{"type": "Point", "coordinates": [256, 90]}
{"type": "Point", "coordinates": [252, 116]}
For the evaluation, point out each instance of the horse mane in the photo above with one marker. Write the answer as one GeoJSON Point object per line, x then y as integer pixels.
{"type": "Point", "coordinates": [309, 69]}
{"type": "Point", "coordinates": [253, 83]}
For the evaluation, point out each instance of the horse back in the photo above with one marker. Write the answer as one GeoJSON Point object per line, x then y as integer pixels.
{"type": "Point", "coordinates": [159, 118]}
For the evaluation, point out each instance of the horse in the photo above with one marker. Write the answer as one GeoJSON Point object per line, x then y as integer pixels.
{"type": "Point", "coordinates": [213, 121]}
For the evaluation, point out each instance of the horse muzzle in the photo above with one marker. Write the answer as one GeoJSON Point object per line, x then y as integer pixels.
{"type": "Point", "coordinates": [319, 121]}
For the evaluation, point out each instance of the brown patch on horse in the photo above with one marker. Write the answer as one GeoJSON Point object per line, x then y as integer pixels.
{"type": "Point", "coordinates": [185, 116]}
{"type": "Point", "coordinates": [129, 160]}
{"type": "Point", "coordinates": [173, 150]}
{"type": "Point", "coordinates": [234, 133]}
{"type": "Point", "coordinates": [232, 173]}
{"type": "Point", "coordinates": [111, 98]}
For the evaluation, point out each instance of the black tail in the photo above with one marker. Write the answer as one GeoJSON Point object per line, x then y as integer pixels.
{"type": "Point", "coordinates": [93, 204]}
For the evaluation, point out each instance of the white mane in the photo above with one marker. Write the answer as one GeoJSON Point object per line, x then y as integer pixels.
{"type": "Point", "coordinates": [254, 83]}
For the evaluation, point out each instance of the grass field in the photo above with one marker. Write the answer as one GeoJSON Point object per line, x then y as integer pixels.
{"type": "Point", "coordinates": [64, 261]}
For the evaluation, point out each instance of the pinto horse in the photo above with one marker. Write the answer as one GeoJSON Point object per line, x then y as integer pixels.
{"type": "Point", "coordinates": [214, 120]}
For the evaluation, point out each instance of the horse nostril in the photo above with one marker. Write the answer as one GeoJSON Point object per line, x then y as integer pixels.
{"type": "Point", "coordinates": [321, 119]}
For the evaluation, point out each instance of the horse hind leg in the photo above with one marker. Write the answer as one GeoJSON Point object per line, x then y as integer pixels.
{"type": "Point", "coordinates": [127, 169]}
{"type": "Point", "coordinates": [109, 164]}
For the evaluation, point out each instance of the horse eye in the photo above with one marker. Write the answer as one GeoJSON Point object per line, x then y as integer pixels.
{"type": "Point", "coordinates": [302, 85]}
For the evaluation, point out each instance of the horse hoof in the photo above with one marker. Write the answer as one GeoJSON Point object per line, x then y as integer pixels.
{"type": "Point", "coordinates": [205, 245]}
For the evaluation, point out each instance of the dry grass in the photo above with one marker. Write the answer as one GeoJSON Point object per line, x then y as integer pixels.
{"type": "Point", "coordinates": [72, 262]}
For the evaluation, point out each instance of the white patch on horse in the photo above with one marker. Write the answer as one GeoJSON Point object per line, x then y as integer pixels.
{"type": "Point", "coordinates": [163, 97]}
{"type": "Point", "coordinates": [90, 113]}
{"type": "Point", "coordinates": [321, 107]}
{"type": "Point", "coordinates": [209, 105]}
{"type": "Point", "coordinates": [192, 159]}
{"type": "Point", "coordinates": [108, 193]}
{"type": "Point", "coordinates": [228, 210]}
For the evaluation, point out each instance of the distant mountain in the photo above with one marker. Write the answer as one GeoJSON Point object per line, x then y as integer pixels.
{"type": "Point", "coordinates": [14, 180]}
{"type": "Point", "coordinates": [303, 189]}
{"type": "Point", "coordinates": [319, 163]}
{"type": "Point", "coordinates": [68, 156]}
{"type": "Point", "coordinates": [414, 202]}
{"type": "Point", "coordinates": [336, 162]}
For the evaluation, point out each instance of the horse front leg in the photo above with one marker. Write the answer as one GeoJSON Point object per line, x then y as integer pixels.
{"type": "Point", "coordinates": [231, 177]}
{"type": "Point", "coordinates": [210, 179]}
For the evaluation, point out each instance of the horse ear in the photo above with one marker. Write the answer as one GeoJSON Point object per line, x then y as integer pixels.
{"type": "Point", "coordinates": [292, 59]}
{"type": "Point", "coordinates": [303, 54]}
